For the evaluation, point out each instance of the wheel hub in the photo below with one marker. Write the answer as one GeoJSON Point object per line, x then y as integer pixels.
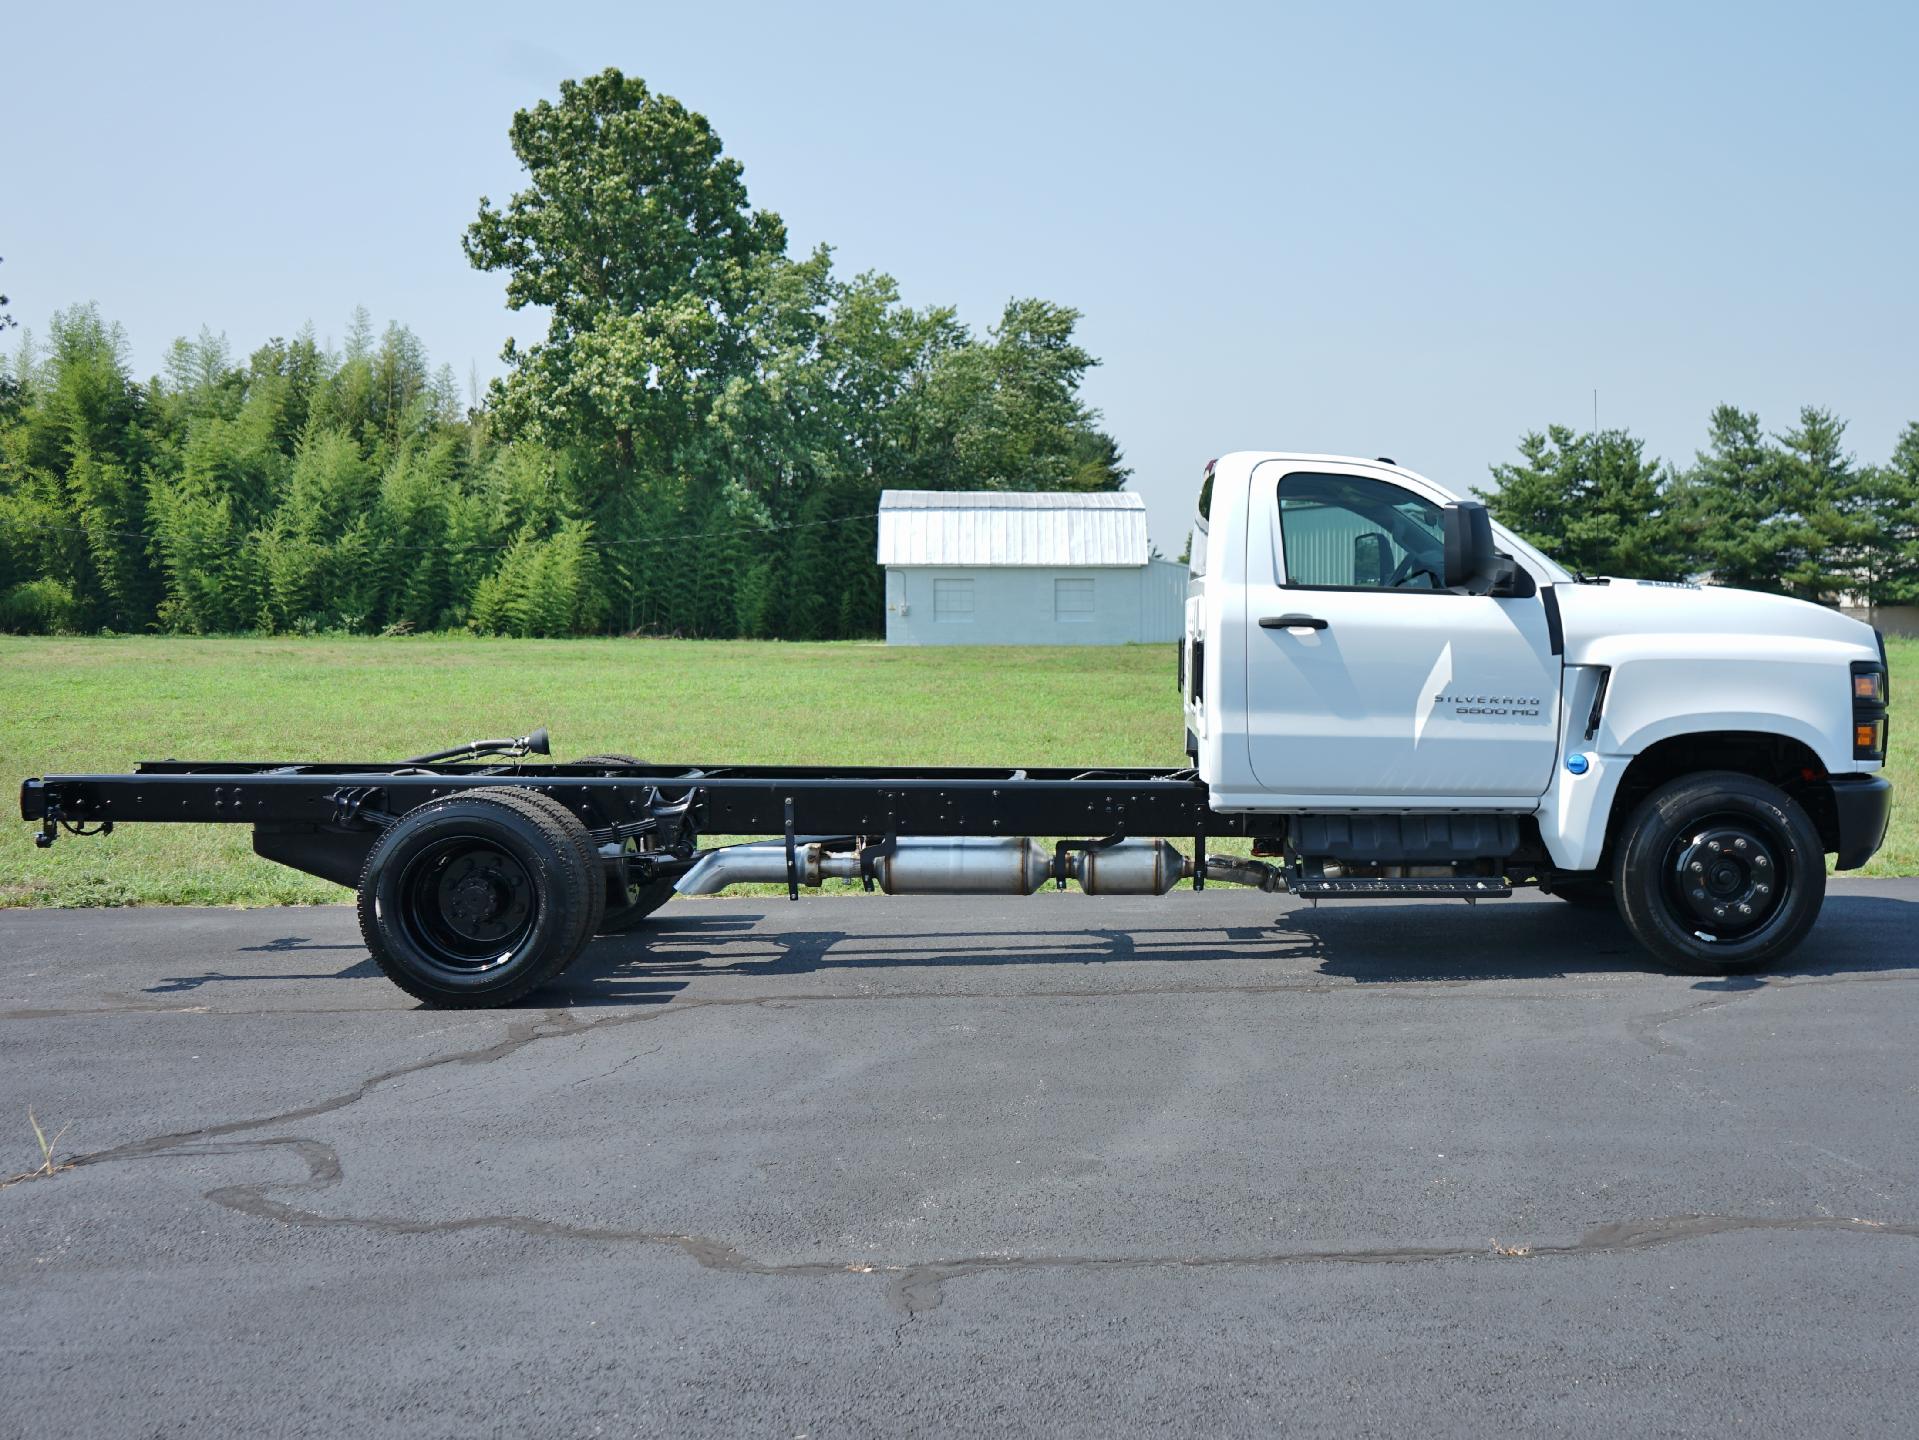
{"type": "Point", "coordinates": [474, 899]}
{"type": "Point", "coordinates": [482, 897]}
{"type": "Point", "coordinates": [1727, 877]}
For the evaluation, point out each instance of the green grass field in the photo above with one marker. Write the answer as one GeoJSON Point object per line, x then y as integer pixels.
{"type": "Point", "coordinates": [101, 704]}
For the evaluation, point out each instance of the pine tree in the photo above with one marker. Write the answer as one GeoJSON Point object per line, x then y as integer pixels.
{"type": "Point", "coordinates": [1593, 502]}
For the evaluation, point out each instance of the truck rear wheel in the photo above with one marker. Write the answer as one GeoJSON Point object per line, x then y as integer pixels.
{"type": "Point", "coordinates": [479, 898]}
{"type": "Point", "coordinates": [1718, 873]}
{"type": "Point", "coordinates": [641, 900]}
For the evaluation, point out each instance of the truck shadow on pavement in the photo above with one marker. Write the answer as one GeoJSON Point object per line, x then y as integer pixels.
{"type": "Point", "coordinates": [1440, 943]}
{"type": "Point", "coordinates": [1855, 934]}
{"type": "Point", "coordinates": [1304, 948]}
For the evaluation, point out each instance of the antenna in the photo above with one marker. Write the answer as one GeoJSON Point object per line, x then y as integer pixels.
{"type": "Point", "coordinates": [1595, 409]}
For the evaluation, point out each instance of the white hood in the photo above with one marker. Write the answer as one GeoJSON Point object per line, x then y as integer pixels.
{"type": "Point", "coordinates": [1721, 618]}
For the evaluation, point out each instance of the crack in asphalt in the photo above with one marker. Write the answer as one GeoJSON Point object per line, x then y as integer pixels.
{"type": "Point", "coordinates": [561, 1021]}
{"type": "Point", "coordinates": [916, 1287]}
{"type": "Point", "coordinates": [1646, 1028]}
{"type": "Point", "coordinates": [910, 1287]}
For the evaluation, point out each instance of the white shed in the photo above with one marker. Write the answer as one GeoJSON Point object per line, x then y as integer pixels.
{"type": "Point", "coordinates": [989, 567]}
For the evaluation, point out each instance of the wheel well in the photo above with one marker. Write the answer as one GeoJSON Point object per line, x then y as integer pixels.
{"type": "Point", "coordinates": [1789, 764]}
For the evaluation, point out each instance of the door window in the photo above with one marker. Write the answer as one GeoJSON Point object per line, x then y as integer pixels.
{"type": "Point", "coordinates": [1344, 532]}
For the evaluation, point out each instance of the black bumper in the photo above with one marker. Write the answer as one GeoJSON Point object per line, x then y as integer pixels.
{"type": "Point", "coordinates": [1863, 805]}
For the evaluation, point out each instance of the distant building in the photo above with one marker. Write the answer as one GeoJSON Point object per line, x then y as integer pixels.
{"type": "Point", "coordinates": [987, 567]}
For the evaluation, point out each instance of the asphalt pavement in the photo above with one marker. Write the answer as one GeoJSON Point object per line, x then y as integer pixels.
{"type": "Point", "coordinates": [1217, 1164]}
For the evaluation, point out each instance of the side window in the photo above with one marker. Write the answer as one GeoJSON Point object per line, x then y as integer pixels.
{"type": "Point", "coordinates": [953, 602]}
{"type": "Point", "coordinates": [1073, 598]}
{"type": "Point", "coordinates": [1195, 556]}
{"type": "Point", "coordinates": [1345, 532]}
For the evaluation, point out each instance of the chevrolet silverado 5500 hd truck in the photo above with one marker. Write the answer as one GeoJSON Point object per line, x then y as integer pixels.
{"type": "Point", "coordinates": [1389, 695]}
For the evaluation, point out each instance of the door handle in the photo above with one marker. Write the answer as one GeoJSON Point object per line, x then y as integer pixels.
{"type": "Point", "coordinates": [1291, 622]}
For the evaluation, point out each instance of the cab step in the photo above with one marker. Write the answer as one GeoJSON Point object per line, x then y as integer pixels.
{"type": "Point", "coordinates": [1362, 887]}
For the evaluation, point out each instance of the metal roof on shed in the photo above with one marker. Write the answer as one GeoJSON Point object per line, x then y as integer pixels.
{"type": "Point", "coordinates": [994, 527]}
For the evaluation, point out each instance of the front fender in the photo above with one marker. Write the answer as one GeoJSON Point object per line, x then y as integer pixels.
{"type": "Point", "coordinates": [1772, 685]}
{"type": "Point", "coordinates": [1791, 688]}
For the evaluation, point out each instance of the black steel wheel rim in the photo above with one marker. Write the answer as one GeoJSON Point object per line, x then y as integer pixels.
{"type": "Point", "coordinates": [466, 904]}
{"type": "Point", "coordinates": [1728, 877]}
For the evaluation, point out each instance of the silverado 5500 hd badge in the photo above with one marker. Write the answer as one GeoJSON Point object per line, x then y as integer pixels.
{"type": "Point", "coordinates": [1517, 707]}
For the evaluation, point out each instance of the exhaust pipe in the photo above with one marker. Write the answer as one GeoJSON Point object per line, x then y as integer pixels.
{"type": "Point", "coordinates": [915, 865]}
{"type": "Point", "coordinates": [970, 865]}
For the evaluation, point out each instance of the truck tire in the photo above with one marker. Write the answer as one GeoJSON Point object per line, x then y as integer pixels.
{"type": "Point", "coordinates": [641, 900]}
{"type": "Point", "coordinates": [1718, 873]}
{"type": "Point", "coordinates": [479, 898]}
{"type": "Point", "coordinates": [583, 845]}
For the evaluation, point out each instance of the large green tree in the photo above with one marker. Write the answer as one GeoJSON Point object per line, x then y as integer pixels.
{"type": "Point", "coordinates": [1592, 501]}
{"type": "Point", "coordinates": [1768, 512]}
{"type": "Point", "coordinates": [1881, 511]}
{"type": "Point", "coordinates": [634, 231]}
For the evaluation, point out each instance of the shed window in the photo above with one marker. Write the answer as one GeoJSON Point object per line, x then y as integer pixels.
{"type": "Point", "coordinates": [953, 601]}
{"type": "Point", "coordinates": [1073, 598]}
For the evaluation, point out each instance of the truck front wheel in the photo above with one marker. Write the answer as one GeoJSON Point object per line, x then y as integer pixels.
{"type": "Point", "coordinates": [1718, 873]}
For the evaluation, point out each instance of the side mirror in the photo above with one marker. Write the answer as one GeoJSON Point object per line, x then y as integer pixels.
{"type": "Point", "coordinates": [1473, 566]}
{"type": "Point", "coordinates": [1371, 560]}
{"type": "Point", "coordinates": [1468, 531]}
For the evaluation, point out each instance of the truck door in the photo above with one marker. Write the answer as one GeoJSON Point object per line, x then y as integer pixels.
{"type": "Point", "coordinates": [1365, 678]}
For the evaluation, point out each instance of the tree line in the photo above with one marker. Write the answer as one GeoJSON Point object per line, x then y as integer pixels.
{"type": "Point", "coordinates": [1793, 512]}
{"type": "Point", "coordinates": [696, 447]}
{"type": "Point", "coordinates": [698, 444]}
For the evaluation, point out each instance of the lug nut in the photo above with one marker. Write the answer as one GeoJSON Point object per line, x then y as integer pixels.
{"type": "Point", "coordinates": [1762, 889]}
{"type": "Point", "coordinates": [1699, 894]}
{"type": "Point", "coordinates": [1719, 910]}
{"type": "Point", "coordinates": [1760, 861]}
{"type": "Point", "coordinates": [1739, 844]}
{"type": "Point", "coordinates": [1745, 909]}
{"type": "Point", "coordinates": [1697, 868]}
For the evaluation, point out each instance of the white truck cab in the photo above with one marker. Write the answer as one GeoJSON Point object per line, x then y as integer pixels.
{"type": "Point", "coordinates": [1422, 692]}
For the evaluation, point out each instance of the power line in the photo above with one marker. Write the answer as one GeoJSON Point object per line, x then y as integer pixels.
{"type": "Point", "coordinates": [503, 545]}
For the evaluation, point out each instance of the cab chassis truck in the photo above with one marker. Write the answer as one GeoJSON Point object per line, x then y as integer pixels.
{"type": "Point", "coordinates": [1388, 694]}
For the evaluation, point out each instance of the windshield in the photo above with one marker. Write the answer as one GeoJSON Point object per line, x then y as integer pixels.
{"type": "Point", "coordinates": [1546, 569]}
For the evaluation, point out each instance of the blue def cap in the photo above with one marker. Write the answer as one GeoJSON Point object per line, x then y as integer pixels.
{"type": "Point", "coordinates": [1577, 764]}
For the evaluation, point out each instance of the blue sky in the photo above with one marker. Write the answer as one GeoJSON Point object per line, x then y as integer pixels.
{"type": "Point", "coordinates": [1405, 230]}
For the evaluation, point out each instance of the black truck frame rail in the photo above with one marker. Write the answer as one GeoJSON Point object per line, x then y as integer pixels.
{"type": "Point", "coordinates": [323, 818]}
{"type": "Point", "coordinates": [734, 799]}
{"type": "Point", "coordinates": [477, 880]}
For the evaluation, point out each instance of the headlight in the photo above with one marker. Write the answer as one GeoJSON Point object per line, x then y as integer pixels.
{"type": "Point", "coordinates": [1869, 709]}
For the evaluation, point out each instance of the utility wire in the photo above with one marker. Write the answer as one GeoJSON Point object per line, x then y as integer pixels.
{"type": "Point", "coordinates": [509, 544]}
